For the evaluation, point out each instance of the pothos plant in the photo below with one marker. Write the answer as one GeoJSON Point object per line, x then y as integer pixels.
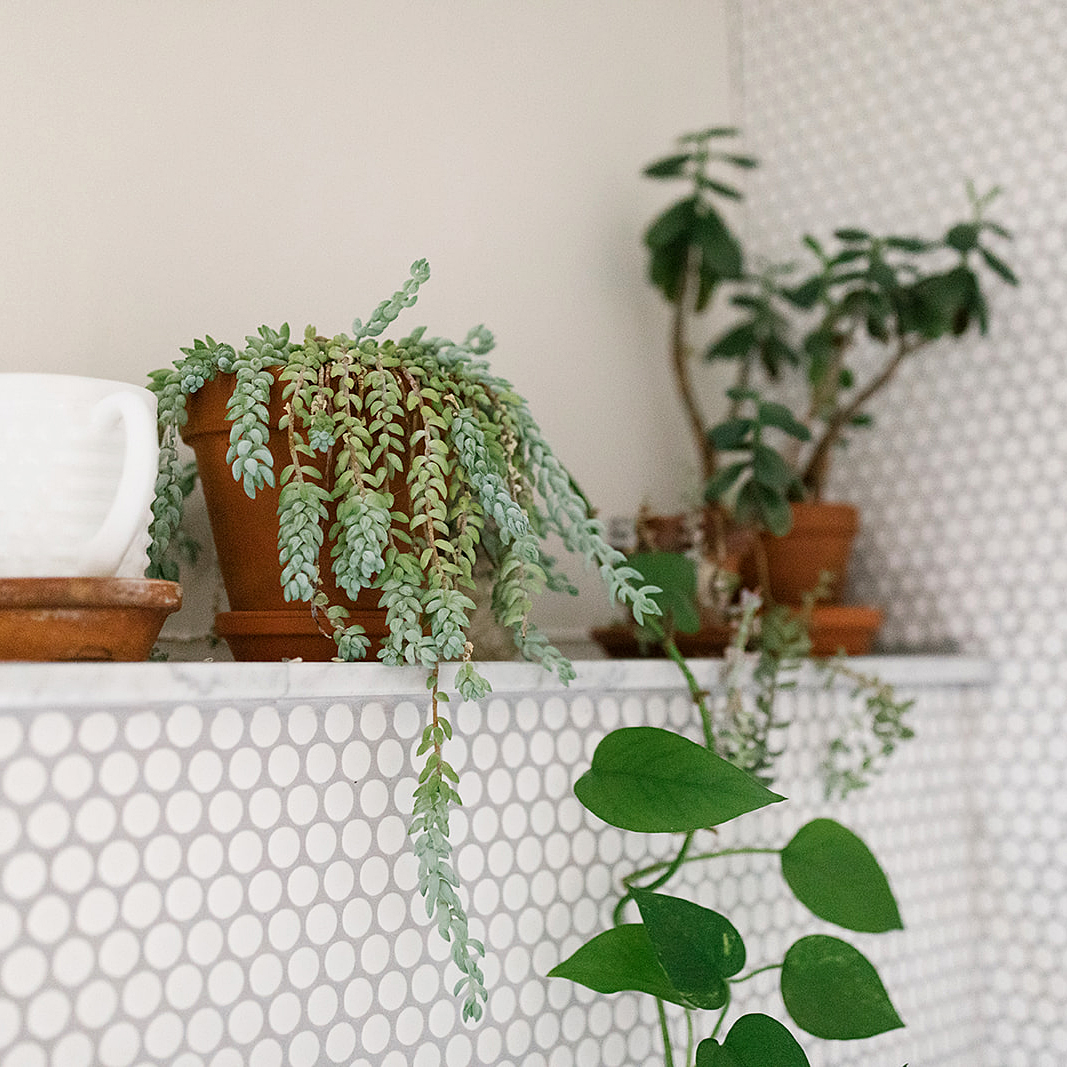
{"type": "Point", "coordinates": [863, 300]}
{"type": "Point", "coordinates": [651, 780]}
{"type": "Point", "coordinates": [365, 420]}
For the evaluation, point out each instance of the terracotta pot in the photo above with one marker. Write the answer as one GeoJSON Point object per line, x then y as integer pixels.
{"type": "Point", "coordinates": [820, 540]}
{"type": "Point", "coordinates": [97, 619]}
{"type": "Point", "coordinates": [245, 531]}
{"type": "Point", "coordinates": [847, 628]}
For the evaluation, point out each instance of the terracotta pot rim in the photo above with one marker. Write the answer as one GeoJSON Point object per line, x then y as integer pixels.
{"type": "Point", "coordinates": [812, 515]}
{"type": "Point", "coordinates": [77, 592]}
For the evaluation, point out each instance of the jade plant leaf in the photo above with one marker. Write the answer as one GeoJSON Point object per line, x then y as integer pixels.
{"type": "Point", "coordinates": [755, 1040]}
{"type": "Point", "coordinates": [621, 959]}
{"type": "Point", "coordinates": [698, 948]}
{"type": "Point", "coordinates": [651, 780]}
{"type": "Point", "coordinates": [835, 875]}
{"type": "Point", "coordinates": [832, 990]}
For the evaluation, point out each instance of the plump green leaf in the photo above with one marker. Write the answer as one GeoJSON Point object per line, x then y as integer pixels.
{"type": "Point", "coordinates": [723, 480]}
{"type": "Point", "coordinates": [757, 1040]}
{"type": "Point", "coordinates": [677, 221]}
{"type": "Point", "coordinates": [963, 237]}
{"type": "Point", "coordinates": [835, 875]}
{"type": "Point", "coordinates": [832, 990]}
{"type": "Point", "coordinates": [850, 235]}
{"type": "Point", "coordinates": [770, 470]}
{"type": "Point", "coordinates": [720, 252]}
{"type": "Point", "coordinates": [780, 417]}
{"type": "Point", "coordinates": [805, 295]}
{"type": "Point", "coordinates": [617, 960]}
{"type": "Point", "coordinates": [731, 434]}
{"type": "Point", "coordinates": [668, 167]}
{"type": "Point", "coordinates": [761, 505]}
{"type": "Point", "coordinates": [697, 947]}
{"type": "Point", "coordinates": [738, 341]}
{"type": "Point", "coordinates": [644, 778]}
{"type": "Point", "coordinates": [667, 267]}
{"type": "Point", "coordinates": [675, 575]}
{"type": "Point", "coordinates": [998, 265]}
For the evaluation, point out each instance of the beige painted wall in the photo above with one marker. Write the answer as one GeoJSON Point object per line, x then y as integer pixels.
{"type": "Point", "coordinates": [174, 169]}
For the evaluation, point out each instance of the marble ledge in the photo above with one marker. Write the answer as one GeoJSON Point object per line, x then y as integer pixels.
{"type": "Point", "coordinates": [36, 685]}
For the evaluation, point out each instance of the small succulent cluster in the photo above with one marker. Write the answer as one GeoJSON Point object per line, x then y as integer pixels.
{"type": "Point", "coordinates": [409, 459]}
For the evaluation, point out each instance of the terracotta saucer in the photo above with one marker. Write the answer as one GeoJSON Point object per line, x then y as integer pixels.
{"type": "Point", "coordinates": [266, 636]}
{"type": "Point", "coordinates": [61, 619]}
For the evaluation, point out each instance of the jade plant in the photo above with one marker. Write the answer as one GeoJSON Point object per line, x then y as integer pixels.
{"type": "Point", "coordinates": [655, 781]}
{"type": "Point", "coordinates": [863, 301]}
{"type": "Point", "coordinates": [368, 421]}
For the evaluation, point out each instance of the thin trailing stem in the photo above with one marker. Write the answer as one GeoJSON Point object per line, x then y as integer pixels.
{"type": "Point", "coordinates": [815, 470]}
{"type": "Point", "coordinates": [696, 691]}
{"type": "Point", "coordinates": [757, 970]}
{"type": "Point", "coordinates": [668, 1054]}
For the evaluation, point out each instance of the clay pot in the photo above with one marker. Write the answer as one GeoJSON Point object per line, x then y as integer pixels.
{"type": "Point", "coordinates": [847, 628]}
{"type": "Point", "coordinates": [95, 619]}
{"type": "Point", "coordinates": [245, 531]}
{"type": "Point", "coordinates": [820, 540]}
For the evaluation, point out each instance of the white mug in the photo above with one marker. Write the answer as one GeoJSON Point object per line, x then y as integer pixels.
{"type": "Point", "coordinates": [78, 459]}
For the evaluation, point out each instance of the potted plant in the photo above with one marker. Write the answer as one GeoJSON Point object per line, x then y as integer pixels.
{"type": "Point", "coordinates": [799, 332]}
{"type": "Point", "coordinates": [357, 478]}
{"type": "Point", "coordinates": [652, 780]}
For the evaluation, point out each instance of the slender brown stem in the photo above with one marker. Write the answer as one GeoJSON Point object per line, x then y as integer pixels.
{"type": "Point", "coordinates": [814, 474]}
{"type": "Point", "coordinates": [680, 357]}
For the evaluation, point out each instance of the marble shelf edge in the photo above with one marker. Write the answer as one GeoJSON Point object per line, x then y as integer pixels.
{"type": "Point", "coordinates": [35, 685]}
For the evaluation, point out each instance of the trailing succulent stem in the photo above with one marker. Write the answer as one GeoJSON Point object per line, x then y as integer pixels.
{"type": "Point", "coordinates": [438, 884]}
{"type": "Point", "coordinates": [407, 459]}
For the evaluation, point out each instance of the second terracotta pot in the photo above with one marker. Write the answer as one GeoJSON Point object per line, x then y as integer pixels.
{"type": "Point", "coordinates": [819, 541]}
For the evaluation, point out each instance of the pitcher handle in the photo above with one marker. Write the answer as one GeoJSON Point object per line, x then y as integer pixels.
{"type": "Point", "coordinates": [126, 517]}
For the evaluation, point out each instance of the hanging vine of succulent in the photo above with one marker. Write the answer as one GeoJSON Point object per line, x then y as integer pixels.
{"type": "Point", "coordinates": [406, 458]}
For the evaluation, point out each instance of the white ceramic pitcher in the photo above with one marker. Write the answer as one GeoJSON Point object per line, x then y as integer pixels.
{"type": "Point", "coordinates": [78, 459]}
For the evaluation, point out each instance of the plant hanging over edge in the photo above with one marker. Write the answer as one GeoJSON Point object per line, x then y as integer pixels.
{"type": "Point", "coordinates": [363, 419]}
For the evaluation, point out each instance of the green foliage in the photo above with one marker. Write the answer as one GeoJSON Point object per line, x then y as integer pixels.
{"type": "Point", "coordinates": [434, 795]}
{"type": "Point", "coordinates": [367, 422]}
{"type": "Point", "coordinates": [676, 577]}
{"type": "Point", "coordinates": [894, 294]}
{"type": "Point", "coordinates": [832, 990]}
{"type": "Point", "coordinates": [834, 874]}
{"type": "Point", "coordinates": [761, 483]}
{"type": "Point", "coordinates": [644, 778]}
{"type": "Point", "coordinates": [422, 457]}
{"type": "Point", "coordinates": [652, 780]}
{"type": "Point", "coordinates": [755, 1040]}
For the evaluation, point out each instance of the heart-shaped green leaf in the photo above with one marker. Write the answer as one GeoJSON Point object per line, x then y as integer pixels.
{"type": "Point", "coordinates": [711, 1054]}
{"type": "Point", "coordinates": [832, 990]}
{"type": "Point", "coordinates": [697, 947]}
{"type": "Point", "coordinates": [835, 875]}
{"type": "Point", "coordinates": [651, 780]}
{"type": "Point", "coordinates": [621, 959]}
{"type": "Point", "coordinates": [757, 1040]}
